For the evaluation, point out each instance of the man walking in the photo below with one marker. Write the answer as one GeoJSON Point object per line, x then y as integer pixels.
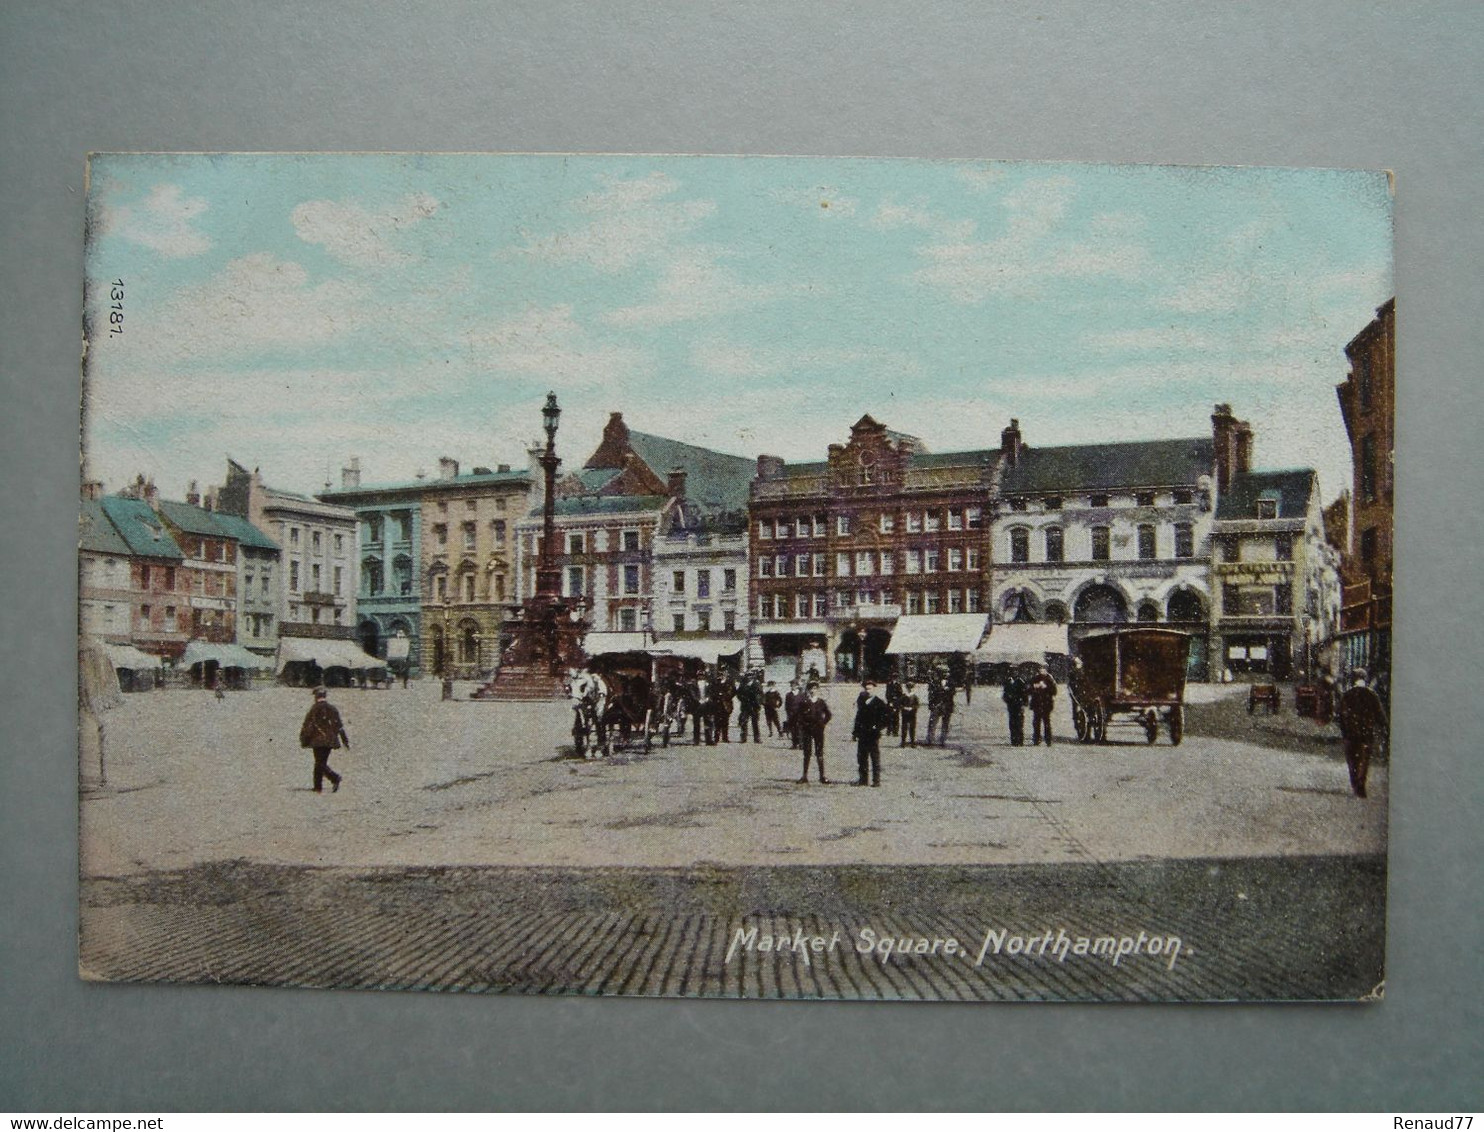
{"type": "Point", "coordinates": [871, 718]}
{"type": "Point", "coordinates": [940, 709]}
{"type": "Point", "coordinates": [809, 724]}
{"type": "Point", "coordinates": [1014, 696]}
{"type": "Point", "coordinates": [911, 701]}
{"type": "Point", "coordinates": [1043, 698]}
{"type": "Point", "coordinates": [772, 701]}
{"type": "Point", "coordinates": [322, 732]}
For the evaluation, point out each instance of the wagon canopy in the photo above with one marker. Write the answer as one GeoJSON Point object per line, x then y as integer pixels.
{"type": "Point", "coordinates": [1021, 643]}
{"type": "Point", "coordinates": [225, 656]}
{"type": "Point", "coordinates": [708, 650]}
{"type": "Point", "coordinates": [325, 653]}
{"type": "Point", "coordinates": [601, 644]}
{"type": "Point", "coordinates": [937, 633]}
{"type": "Point", "coordinates": [130, 659]}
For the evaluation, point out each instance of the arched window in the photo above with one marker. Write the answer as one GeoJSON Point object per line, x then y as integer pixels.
{"type": "Point", "coordinates": [1186, 605]}
{"type": "Point", "coordinates": [468, 642]}
{"type": "Point", "coordinates": [1101, 605]}
{"type": "Point", "coordinates": [1148, 611]}
{"type": "Point", "coordinates": [1054, 544]}
{"type": "Point", "coordinates": [402, 575]}
{"type": "Point", "coordinates": [1020, 544]}
{"type": "Point", "coordinates": [1056, 613]}
{"type": "Point", "coordinates": [371, 580]}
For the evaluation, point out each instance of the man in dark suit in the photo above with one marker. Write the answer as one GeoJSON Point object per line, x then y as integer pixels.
{"type": "Point", "coordinates": [894, 703]}
{"type": "Point", "coordinates": [322, 732]}
{"type": "Point", "coordinates": [750, 704]}
{"type": "Point", "coordinates": [701, 717]}
{"type": "Point", "coordinates": [809, 724]}
{"type": "Point", "coordinates": [911, 702]}
{"type": "Point", "coordinates": [772, 701]}
{"type": "Point", "coordinates": [871, 718]}
{"type": "Point", "coordinates": [1014, 696]}
{"type": "Point", "coordinates": [791, 704]}
{"type": "Point", "coordinates": [1043, 698]}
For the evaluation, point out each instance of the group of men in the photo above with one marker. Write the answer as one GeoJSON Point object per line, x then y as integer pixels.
{"type": "Point", "coordinates": [1040, 693]}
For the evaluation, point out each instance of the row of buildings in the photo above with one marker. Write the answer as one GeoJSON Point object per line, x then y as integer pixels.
{"type": "Point", "coordinates": [881, 548]}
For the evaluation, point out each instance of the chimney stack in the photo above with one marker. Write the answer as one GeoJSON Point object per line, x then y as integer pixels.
{"type": "Point", "coordinates": [677, 483]}
{"type": "Point", "coordinates": [448, 468]}
{"type": "Point", "coordinates": [769, 467]}
{"type": "Point", "coordinates": [92, 489]}
{"type": "Point", "coordinates": [1223, 433]}
{"type": "Point", "coordinates": [502, 468]}
{"type": "Point", "coordinates": [350, 475]}
{"type": "Point", "coordinates": [1010, 443]}
{"type": "Point", "coordinates": [193, 494]}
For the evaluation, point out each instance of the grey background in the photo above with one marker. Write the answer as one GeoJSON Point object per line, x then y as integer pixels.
{"type": "Point", "coordinates": [1343, 84]}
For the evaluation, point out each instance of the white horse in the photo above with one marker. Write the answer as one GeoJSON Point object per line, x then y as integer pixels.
{"type": "Point", "coordinates": [588, 693]}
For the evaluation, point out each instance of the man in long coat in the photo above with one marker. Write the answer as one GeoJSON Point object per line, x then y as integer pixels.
{"type": "Point", "coordinates": [1014, 695]}
{"type": "Point", "coordinates": [871, 718]}
{"type": "Point", "coordinates": [772, 701]}
{"type": "Point", "coordinates": [1043, 698]}
{"type": "Point", "coordinates": [809, 724]}
{"type": "Point", "coordinates": [791, 704]}
{"type": "Point", "coordinates": [322, 732]}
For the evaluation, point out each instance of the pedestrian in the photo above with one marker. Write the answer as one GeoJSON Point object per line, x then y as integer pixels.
{"type": "Point", "coordinates": [871, 718]}
{"type": "Point", "coordinates": [1043, 698]}
{"type": "Point", "coordinates": [772, 701]}
{"type": "Point", "coordinates": [1014, 695]}
{"type": "Point", "coordinates": [702, 717]}
{"type": "Point", "coordinates": [791, 705]}
{"type": "Point", "coordinates": [894, 704]}
{"type": "Point", "coordinates": [940, 708]}
{"type": "Point", "coordinates": [322, 732]}
{"type": "Point", "coordinates": [722, 699]}
{"type": "Point", "coordinates": [216, 685]}
{"type": "Point", "coordinates": [1364, 726]}
{"type": "Point", "coordinates": [750, 706]}
{"type": "Point", "coordinates": [812, 718]}
{"type": "Point", "coordinates": [911, 701]}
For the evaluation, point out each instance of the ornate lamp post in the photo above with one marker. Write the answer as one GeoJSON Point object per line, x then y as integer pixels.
{"type": "Point", "coordinates": [548, 573]}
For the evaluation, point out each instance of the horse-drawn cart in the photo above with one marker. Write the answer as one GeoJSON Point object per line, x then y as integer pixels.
{"type": "Point", "coordinates": [635, 695]}
{"type": "Point", "coordinates": [1135, 673]}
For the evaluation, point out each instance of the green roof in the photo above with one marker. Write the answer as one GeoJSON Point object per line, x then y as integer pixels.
{"type": "Point", "coordinates": [96, 533]}
{"type": "Point", "coordinates": [1092, 467]}
{"type": "Point", "coordinates": [423, 486]}
{"type": "Point", "coordinates": [608, 504]}
{"type": "Point", "coordinates": [952, 459]}
{"type": "Point", "coordinates": [1293, 489]}
{"type": "Point", "coordinates": [234, 526]}
{"type": "Point", "coordinates": [139, 527]}
{"type": "Point", "coordinates": [193, 520]}
{"type": "Point", "coordinates": [714, 481]}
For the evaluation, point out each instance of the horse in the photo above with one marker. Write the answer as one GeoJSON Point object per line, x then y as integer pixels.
{"type": "Point", "coordinates": [588, 693]}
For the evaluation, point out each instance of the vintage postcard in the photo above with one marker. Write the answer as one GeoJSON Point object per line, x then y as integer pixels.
{"type": "Point", "coordinates": [736, 576]}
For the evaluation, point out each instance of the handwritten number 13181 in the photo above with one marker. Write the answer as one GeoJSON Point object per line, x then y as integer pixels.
{"type": "Point", "coordinates": [116, 310]}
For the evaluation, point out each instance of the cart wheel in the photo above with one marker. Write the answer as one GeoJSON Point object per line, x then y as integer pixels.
{"type": "Point", "coordinates": [1079, 722]}
{"type": "Point", "coordinates": [1097, 725]}
{"type": "Point", "coordinates": [1177, 725]}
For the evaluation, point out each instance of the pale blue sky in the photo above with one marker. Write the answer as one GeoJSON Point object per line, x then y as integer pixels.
{"type": "Point", "coordinates": [294, 310]}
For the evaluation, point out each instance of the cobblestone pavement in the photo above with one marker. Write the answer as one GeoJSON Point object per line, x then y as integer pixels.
{"type": "Point", "coordinates": [1258, 928]}
{"type": "Point", "coordinates": [466, 850]}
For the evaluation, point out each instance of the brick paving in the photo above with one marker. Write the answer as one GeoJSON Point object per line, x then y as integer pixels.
{"type": "Point", "coordinates": [1250, 929]}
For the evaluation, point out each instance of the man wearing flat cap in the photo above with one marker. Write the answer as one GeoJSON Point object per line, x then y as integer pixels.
{"type": "Point", "coordinates": [323, 732]}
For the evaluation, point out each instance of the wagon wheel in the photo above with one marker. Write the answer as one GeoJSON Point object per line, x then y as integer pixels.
{"type": "Point", "coordinates": [1177, 725]}
{"type": "Point", "coordinates": [579, 733]}
{"type": "Point", "coordinates": [1097, 723]}
{"type": "Point", "coordinates": [1079, 722]}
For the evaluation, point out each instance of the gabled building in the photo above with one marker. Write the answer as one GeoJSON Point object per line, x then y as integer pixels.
{"type": "Point", "coordinates": [107, 603]}
{"type": "Point", "coordinates": [1092, 535]}
{"type": "Point", "coordinates": [259, 577]}
{"type": "Point", "coordinates": [845, 548]}
{"type": "Point", "coordinates": [211, 558]}
{"type": "Point", "coordinates": [1274, 576]}
{"type": "Point", "coordinates": [160, 585]}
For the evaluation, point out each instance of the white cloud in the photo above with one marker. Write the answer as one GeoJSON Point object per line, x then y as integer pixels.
{"type": "Point", "coordinates": [1153, 339]}
{"type": "Point", "coordinates": [733, 360]}
{"type": "Point", "coordinates": [981, 178]}
{"type": "Point", "coordinates": [357, 235]}
{"type": "Point", "coordinates": [161, 222]}
{"type": "Point", "coordinates": [892, 214]}
{"type": "Point", "coordinates": [826, 201]}
{"type": "Point", "coordinates": [549, 343]}
{"type": "Point", "coordinates": [633, 223]}
{"type": "Point", "coordinates": [692, 285]}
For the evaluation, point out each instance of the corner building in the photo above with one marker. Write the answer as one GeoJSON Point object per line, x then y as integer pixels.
{"type": "Point", "coordinates": [844, 548]}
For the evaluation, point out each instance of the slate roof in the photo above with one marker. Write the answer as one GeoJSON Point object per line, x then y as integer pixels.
{"type": "Point", "coordinates": [234, 526]}
{"type": "Point", "coordinates": [193, 520]}
{"type": "Point", "coordinates": [1090, 467]}
{"type": "Point", "coordinates": [96, 533]}
{"type": "Point", "coordinates": [1293, 488]}
{"type": "Point", "coordinates": [714, 481]}
{"type": "Point", "coordinates": [139, 527]}
{"type": "Point", "coordinates": [607, 504]}
{"type": "Point", "coordinates": [952, 459]}
{"type": "Point", "coordinates": [344, 495]}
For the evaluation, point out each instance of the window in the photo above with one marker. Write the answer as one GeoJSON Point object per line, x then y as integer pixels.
{"type": "Point", "coordinates": [842, 599]}
{"type": "Point", "coordinates": [470, 505]}
{"type": "Point", "coordinates": [1100, 544]}
{"type": "Point", "coordinates": [576, 543]}
{"type": "Point", "coordinates": [1143, 499]}
{"type": "Point", "coordinates": [955, 559]}
{"type": "Point", "coordinates": [497, 532]}
{"type": "Point", "coordinates": [974, 517]}
{"type": "Point", "coordinates": [914, 562]}
{"type": "Point", "coordinates": [888, 563]}
{"type": "Point", "coordinates": [864, 597]}
{"type": "Point", "coordinates": [930, 561]}
{"type": "Point", "coordinates": [971, 603]}
{"type": "Point", "coordinates": [780, 606]}
{"type": "Point", "coordinates": [144, 577]}
{"type": "Point", "coordinates": [801, 606]}
{"type": "Point", "coordinates": [677, 581]}
{"type": "Point", "coordinates": [1146, 540]}
{"type": "Point", "coordinates": [914, 601]}
{"type": "Point", "coordinates": [440, 533]}
{"type": "Point", "coordinates": [339, 580]}
{"type": "Point", "coordinates": [842, 564]}
{"type": "Point", "coordinates": [1283, 547]}
{"type": "Point", "coordinates": [499, 587]}
{"type": "Point", "coordinates": [819, 565]}
{"type": "Point", "coordinates": [469, 536]}
{"type": "Point", "coordinates": [170, 619]}
{"type": "Point", "coordinates": [169, 577]}
{"type": "Point", "coordinates": [781, 564]}
{"type": "Point", "coordinates": [703, 620]}
{"type": "Point", "coordinates": [729, 621]}
{"type": "Point", "coordinates": [802, 563]}
{"type": "Point", "coordinates": [1020, 545]}
{"type": "Point", "coordinates": [955, 601]}
{"type": "Point", "coordinates": [293, 540]}
{"type": "Point", "coordinates": [765, 528]}
{"type": "Point", "coordinates": [764, 608]}
{"type": "Point", "coordinates": [631, 540]}
{"type": "Point", "coordinates": [971, 558]}
{"type": "Point", "coordinates": [765, 566]}
{"type": "Point", "coordinates": [1267, 508]}
{"type": "Point", "coordinates": [265, 585]}
{"type": "Point", "coordinates": [1184, 540]}
{"type": "Point", "coordinates": [703, 583]}
{"type": "Point", "coordinates": [144, 612]}
{"type": "Point", "coordinates": [802, 526]}
{"type": "Point", "coordinates": [577, 581]}
{"type": "Point", "coordinates": [821, 604]}
{"type": "Point", "coordinates": [932, 521]}
{"type": "Point", "coordinates": [1184, 496]}
{"type": "Point", "coordinates": [468, 587]}
{"type": "Point", "coordinates": [842, 525]}
{"type": "Point", "coordinates": [677, 622]}
{"type": "Point", "coordinates": [314, 541]}
{"type": "Point", "coordinates": [314, 578]}
{"type": "Point", "coordinates": [821, 525]}
{"type": "Point", "coordinates": [864, 564]}
{"type": "Point", "coordinates": [631, 579]}
{"type": "Point", "coordinates": [955, 520]}
{"type": "Point", "coordinates": [933, 602]}
{"type": "Point", "coordinates": [1052, 503]}
{"type": "Point", "coordinates": [500, 503]}
{"type": "Point", "coordinates": [628, 620]}
{"type": "Point", "coordinates": [1231, 599]}
{"type": "Point", "coordinates": [1363, 381]}
{"type": "Point", "coordinates": [888, 522]}
{"type": "Point", "coordinates": [293, 577]}
{"type": "Point", "coordinates": [1016, 504]}
{"type": "Point", "coordinates": [1097, 501]}
{"type": "Point", "coordinates": [440, 587]}
{"type": "Point", "coordinates": [914, 522]}
{"type": "Point", "coordinates": [729, 581]}
{"type": "Point", "coordinates": [1283, 600]}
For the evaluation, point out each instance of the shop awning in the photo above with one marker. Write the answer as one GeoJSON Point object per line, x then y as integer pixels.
{"type": "Point", "coordinates": [131, 659]}
{"type": "Point", "coordinates": [602, 644]}
{"type": "Point", "coordinates": [708, 649]}
{"type": "Point", "coordinates": [225, 656]}
{"type": "Point", "coordinates": [937, 633]}
{"type": "Point", "coordinates": [1021, 643]}
{"type": "Point", "coordinates": [326, 654]}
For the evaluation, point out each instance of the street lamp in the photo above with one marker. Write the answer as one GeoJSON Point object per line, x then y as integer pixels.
{"type": "Point", "coordinates": [550, 412]}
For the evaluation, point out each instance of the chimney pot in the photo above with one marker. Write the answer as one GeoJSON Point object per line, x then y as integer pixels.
{"type": "Point", "coordinates": [677, 482]}
{"type": "Point", "coordinates": [769, 467]}
{"type": "Point", "coordinates": [1010, 442]}
{"type": "Point", "coordinates": [448, 468]}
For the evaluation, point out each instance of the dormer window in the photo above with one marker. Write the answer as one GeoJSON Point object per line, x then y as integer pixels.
{"type": "Point", "coordinates": [1097, 501]}
{"type": "Point", "coordinates": [1267, 508]}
